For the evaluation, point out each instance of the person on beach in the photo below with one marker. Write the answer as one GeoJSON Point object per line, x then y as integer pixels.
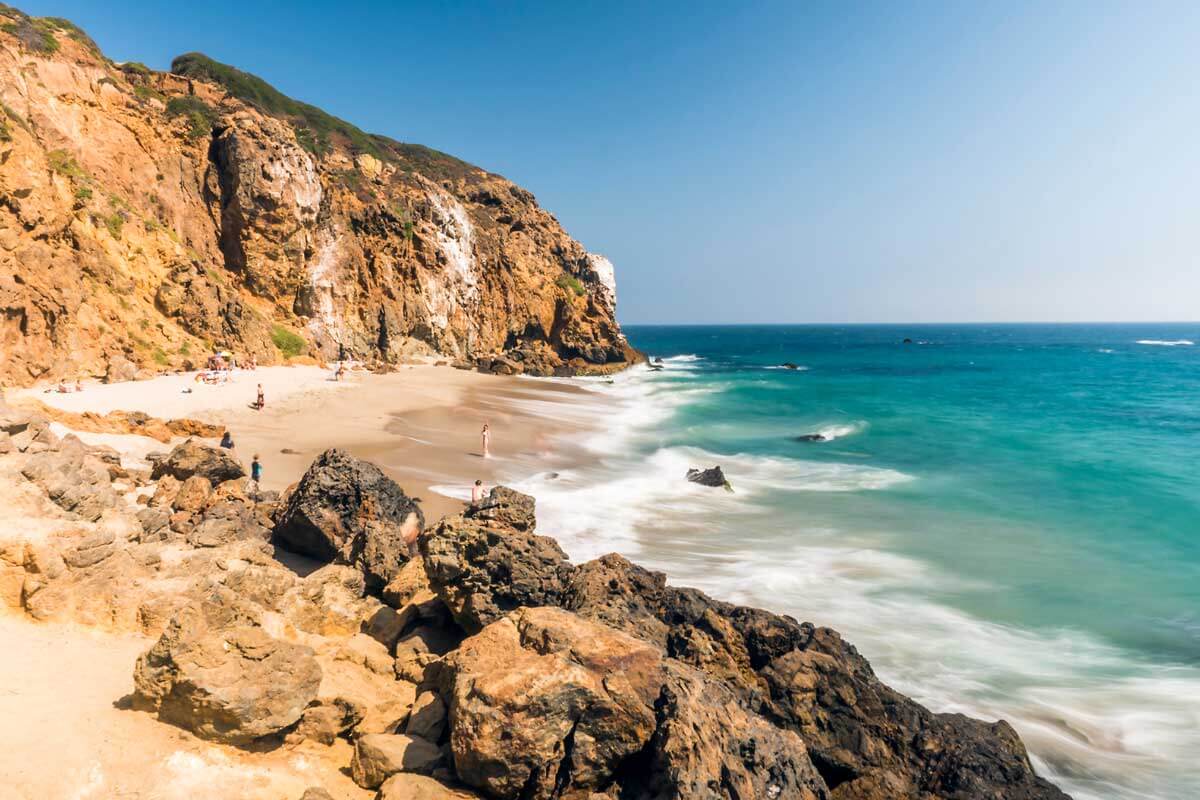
{"type": "Point", "coordinates": [227, 441]}
{"type": "Point", "coordinates": [255, 477]}
{"type": "Point", "coordinates": [477, 492]}
{"type": "Point", "coordinates": [486, 436]}
{"type": "Point", "coordinates": [78, 385]}
{"type": "Point", "coordinates": [341, 371]}
{"type": "Point", "coordinates": [261, 401]}
{"type": "Point", "coordinates": [253, 363]}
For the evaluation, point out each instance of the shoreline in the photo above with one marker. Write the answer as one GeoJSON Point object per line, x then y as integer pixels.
{"type": "Point", "coordinates": [420, 424]}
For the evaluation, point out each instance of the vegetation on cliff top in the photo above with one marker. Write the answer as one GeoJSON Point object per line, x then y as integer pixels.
{"type": "Point", "coordinates": [316, 130]}
{"type": "Point", "coordinates": [38, 33]}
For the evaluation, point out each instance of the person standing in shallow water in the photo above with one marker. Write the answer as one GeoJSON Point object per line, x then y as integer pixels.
{"type": "Point", "coordinates": [486, 436]}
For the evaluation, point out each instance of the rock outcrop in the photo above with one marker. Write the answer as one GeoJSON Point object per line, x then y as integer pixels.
{"type": "Point", "coordinates": [215, 672]}
{"type": "Point", "coordinates": [147, 217]}
{"type": "Point", "coordinates": [491, 667]}
{"type": "Point", "coordinates": [347, 511]}
{"type": "Point", "coordinates": [784, 678]}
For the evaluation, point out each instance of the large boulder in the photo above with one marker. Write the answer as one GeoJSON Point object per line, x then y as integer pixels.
{"type": "Point", "coordinates": [707, 745]}
{"type": "Point", "coordinates": [543, 699]}
{"type": "Point", "coordinates": [713, 476]}
{"type": "Point", "coordinates": [216, 673]}
{"type": "Point", "coordinates": [346, 511]}
{"type": "Point", "coordinates": [505, 507]}
{"type": "Point", "coordinates": [196, 458]}
{"type": "Point", "coordinates": [482, 572]}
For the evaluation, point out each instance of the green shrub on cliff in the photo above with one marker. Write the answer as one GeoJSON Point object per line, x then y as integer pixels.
{"type": "Point", "coordinates": [64, 163]}
{"type": "Point", "coordinates": [288, 343]}
{"type": "Point", "coordinates": [571, 284]}
{"type": "Point", "coordinates": [200, 115]}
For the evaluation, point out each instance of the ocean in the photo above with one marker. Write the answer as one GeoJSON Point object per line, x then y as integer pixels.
{"type": "Point", "coordinates": [1004, 519]}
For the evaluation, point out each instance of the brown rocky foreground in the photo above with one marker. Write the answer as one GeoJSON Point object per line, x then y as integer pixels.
{"type": "Point", "coordinates": [466, 659]}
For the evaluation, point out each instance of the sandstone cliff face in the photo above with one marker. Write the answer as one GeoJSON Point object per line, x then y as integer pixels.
{"type": "Point", "coordinates": [155, 216]}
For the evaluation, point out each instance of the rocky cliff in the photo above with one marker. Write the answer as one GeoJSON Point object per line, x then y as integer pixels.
{"type": "Point", "coordinates": [149, 217]}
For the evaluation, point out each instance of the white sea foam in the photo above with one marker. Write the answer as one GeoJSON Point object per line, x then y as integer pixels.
{"type": "Point", "coordinates": [1098, 721]}
{"type": "Point", "coordinates": [831, 432]}
{"type": "Point", "coordinates": [1167, 343]}
{"type": "Point", "coordinates": [797, 368]}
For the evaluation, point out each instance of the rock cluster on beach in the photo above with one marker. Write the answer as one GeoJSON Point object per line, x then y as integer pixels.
{"type": "Point", "coordinates": [486, 664]}
{"type": "Point", "coordinates": [149, 217]}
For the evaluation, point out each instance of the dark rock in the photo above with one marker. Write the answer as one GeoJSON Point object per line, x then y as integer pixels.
{"type": "Point", "coordinates": [346, 511]}
{"type": "Point", "coordinates": [789, 365]}
{"type": "Point", "coordinates": [194, 458]}
{"type": "Point", "coordinates": [708, 477]}
{"type": "Point", "coordinates": [316, 793]}
{"type": "Point", "coordinates": [482, 572]}
{"type": "Point", "coordinates": [810, 437]}
{"type": "Point", "coordinates": [863, 738]}
{"type": "Point", "coordinates": [505, 507]}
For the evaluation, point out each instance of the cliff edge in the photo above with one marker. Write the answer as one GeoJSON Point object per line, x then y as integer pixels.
{"type": "Point", "coordinates": [149, 217]}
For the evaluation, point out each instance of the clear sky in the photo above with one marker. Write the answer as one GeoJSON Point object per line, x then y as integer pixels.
{"type": "Point", "coordinates": [779, 162]}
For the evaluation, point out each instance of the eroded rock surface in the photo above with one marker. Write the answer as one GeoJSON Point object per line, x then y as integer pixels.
{"type": "Point", "coordinates": [347, 511]}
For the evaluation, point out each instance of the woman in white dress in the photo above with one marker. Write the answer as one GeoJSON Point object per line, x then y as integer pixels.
{"type": "Point", "coordinates": [486, 436]}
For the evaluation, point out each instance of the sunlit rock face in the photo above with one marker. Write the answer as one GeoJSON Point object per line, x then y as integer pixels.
{"type": "Point", "coordinates": [150, 217]}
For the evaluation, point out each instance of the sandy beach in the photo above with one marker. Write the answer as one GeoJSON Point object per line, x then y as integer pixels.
{"type": "Point", "coordinates": [420, 424]}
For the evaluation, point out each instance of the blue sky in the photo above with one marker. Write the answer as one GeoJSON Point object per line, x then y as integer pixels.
{"type": "Point", "coordinates": [779, 162]}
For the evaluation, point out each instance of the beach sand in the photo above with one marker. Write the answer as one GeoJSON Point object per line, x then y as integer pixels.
{"type": "Point", "coordinates": [61, 684]}
{"type": "Point", "coordinates": [420, 424]}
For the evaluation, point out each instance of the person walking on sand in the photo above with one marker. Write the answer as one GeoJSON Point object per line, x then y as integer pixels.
{"type": "Point", "coordinates": [477, 492]}
{"type": "Point", "coordinates": [486, 436]}
{"type": "Point", "coordinates": [255, 477]}
{"type": "Point", "coordinates": [261, 401]}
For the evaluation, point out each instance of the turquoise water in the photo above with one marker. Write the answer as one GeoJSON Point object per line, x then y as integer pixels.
{"type": "Point", "coordinates": [1004, 518]}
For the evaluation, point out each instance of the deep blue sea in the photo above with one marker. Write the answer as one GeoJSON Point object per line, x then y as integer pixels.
{"type": "Point", "coordinates": [1005, 519]}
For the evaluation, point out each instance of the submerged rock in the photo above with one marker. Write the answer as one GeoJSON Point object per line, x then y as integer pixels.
{"type": "Point", "coordinates": [346, 511]}
{"type": "Point", "coordinates": [811, 437]}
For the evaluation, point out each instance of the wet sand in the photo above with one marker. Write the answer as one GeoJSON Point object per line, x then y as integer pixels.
{"type": "Point", "coordinates": [421, 424]}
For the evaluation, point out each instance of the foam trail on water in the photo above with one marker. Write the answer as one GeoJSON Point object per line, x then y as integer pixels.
{"type": "Point", "coordinates": [1097, 720]}
{"type": "Point", "coordinates": [1166, 343]}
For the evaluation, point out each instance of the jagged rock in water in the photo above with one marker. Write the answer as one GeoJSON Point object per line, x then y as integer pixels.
{"type": "Point", "coordinates": [346, 511]}
{"type": "Point", "coordinates": [214, 672]}
{"type": "Point", "coordinates": [196, 458]}
{"type": "Point", "coordinates": [713, 476]}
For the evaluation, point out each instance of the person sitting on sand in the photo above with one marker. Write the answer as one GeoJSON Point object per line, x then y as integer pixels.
{"type": "Point", "coordinates": [477, 492]}
{"type": "Point", "coordinates": [261, 401]}
{"type": "Point", "coordinates": [253, 364]}
{"type": "Point", "coordinates": [78, 385]}
{"type": "Point", "coordinates": [227, 441]}
{"type": "Point", "coordinates": [486, 436]}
